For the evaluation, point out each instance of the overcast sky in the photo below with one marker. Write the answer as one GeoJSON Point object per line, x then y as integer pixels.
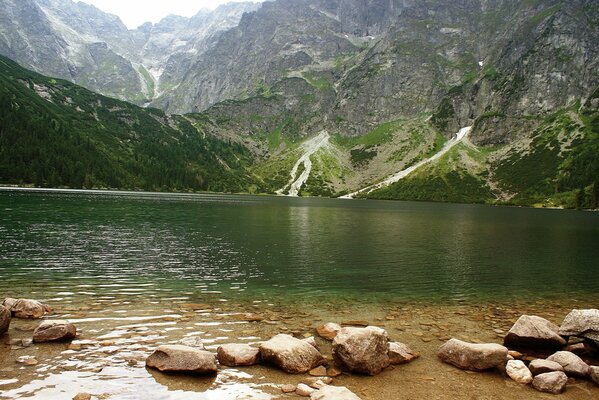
{"type": "Point", "coordinates": [135, 12]}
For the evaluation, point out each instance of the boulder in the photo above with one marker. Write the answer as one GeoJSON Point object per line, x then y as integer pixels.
{"type": "Point", "coordinates": [182, 359]}
{"type": "Point", "coordinates": [362, 350]}
{"type": "Point", "coordinates": [54, 330]}
{"type": "Point", "coordinates": [5, 316]}
{"type": "Point", "coordinates": [540, 366]}
{"type": "Point", "coordinates": [581, 323]}
{"type": "Point", "coordinates": [550, 382]}
{"type": "Point", "coordinates": [594, 374]}
{"type": "Point", "coordinates": [536, 332]}
{"type": "Point", "coordinates": [518, 371]}
{"type": "Point", "coordinates": [234, 355]}
{"type": "Point", "coordinates": [573, 365]}
{"type": "Point", "coordinates": [328, 331]}
{"type": "Point", "coordinates": [400, 353]}
{"type": "Point", "coordinates": [26, 308]}
{"type": "Point", "coordinates": [333, 393]}
{"type": "Point", "coordinates": [290, 354]}
{"type": "Point", "coordinates": [473, 357]}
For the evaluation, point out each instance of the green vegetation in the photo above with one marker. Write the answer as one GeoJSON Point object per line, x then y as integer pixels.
{"type": "Point", "coordinates": [318, 80]}
{"type": "Point", "coordinates": [379, 135]}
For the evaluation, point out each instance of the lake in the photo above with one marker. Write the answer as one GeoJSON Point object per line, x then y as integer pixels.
{"type": "Point", "coordinates": [120, 263]}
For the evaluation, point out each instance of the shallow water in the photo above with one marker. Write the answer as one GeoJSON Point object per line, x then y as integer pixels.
{"type": "Point", "coordinates": [129, 269]}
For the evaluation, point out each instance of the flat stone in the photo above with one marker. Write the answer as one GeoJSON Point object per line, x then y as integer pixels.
{"type": "Point", "coordinates": [82, 396]}
{"type": "Point", "coordinates": [540, 366]}
{"type": "Point", "coordinates": [304, 390]}
{"type": "Point", "coordinates": [362, 350]}
{"type": "Point", "coordinates": [182, 359]}
{"type": "Point", "coordinates": [5, 316]}
{"type": "Point", "coordinates": [54, 330]}
{"type": "Point", "coordinates": [318, 371]}
{"type": "Point", "coordinates": [290, 354]}
{"type": "Point", "coordinates": [354, 322]}
{"type": "Point", "coordinates": [288, 388]}
{"type": "Point", "coordinates": [473, 357]}
{"type": "Point", "coordinates": [234, 355]}
{"type": "Point", "coordinates": [550, 382]}
{"type": "Point", "coordinates": [334, 393]}
{"type": "Point", "coordinates": [334, 371]}
{"type": "Point", "coordinates": [400, 353]}
{"type": "Point", "coordinates": [534, 332]}
{"type": "Point", "coordinates": [26, 308]}
{"type": "Point", "coordinates": [518, 371]}
{"type": "Point", "coordinates": [573, 365]}
{"type": "Point", "coordinates": [328, 331]}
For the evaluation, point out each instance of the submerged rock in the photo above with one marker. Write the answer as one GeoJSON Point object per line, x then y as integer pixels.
{"type": "Point", "coordinates": [582, 323]}
{"type": "Point", "coordinates": [26, 308]}
{"type": "Point", "coordinates": [54, 330]}
{"type": "Point", "coordinates": [473, 357]}
{"type": "Point", "coordinates": [550, 382]}
{"type": "Point", "coordinates": [328, 331]}
{"type": "Point", "coordinates": [183, 359]}
{"type": "Point", "coordinates": [518, 371]}
{"type": "Point", "coordinates": [573, 365]}
{"type": "Point", "coordinates": [5, 317]}
{"type": "Point", "coordinates": [192, 341]}
{"type": "Point", "coordinates": [234, 355]}
{"type": "Point", "coordinates": [290, 354]}
{"type": "Point", "coordinates": [400, 353]}
{"type": "Point", "coordinates": [333, 393]}
{"type": "Point", "coordinates": [533, 331]}
{"type": "Point", "coordinates": [362, 350]}
{"type": "Point", "coordinates": [540, 366]}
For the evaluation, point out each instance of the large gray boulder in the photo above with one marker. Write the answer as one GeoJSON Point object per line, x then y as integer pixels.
{"type": "Point", "coordinates": [362, 350]}
{"type": "Point", "coordinates": [182, 359]}
{"type": "Point", "coordinates": [540, 366]}
{"type": "Point", "coordinates": [333, 393]}
{"type": "Point", "coordinates": [26, 308]}
{"type": "Point", "coordinates": [573, 365]}
{"type": "Point", "coordinates": [54, 331]}
{"type": "Point", "coordinates": [290, 354]}
{"type": "Point", "coordinates": [581, 323]}
{"type": "Point", "coordinates": [235, 355]}
{"type": "Point", "coordinates": [473, 357]}
{"type": "Point", "coordinates": [550, 382]}
{"type": "Point", "coordinates": [5, 317]}
{"type": "Point", "coordinates": [535, 332]}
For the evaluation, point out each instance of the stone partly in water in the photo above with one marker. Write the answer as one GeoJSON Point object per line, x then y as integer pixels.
{"type": "Point", "coordinates": [235, 355]}
{"type": "Point", "coordinates": [518, 371]}
{"type": "Point", "coordinates": [540, 366]}
{"type": "Point", "coordinates": [54, 330]}
{"type": "Point", "coordinates": [328, 331]}
{"type": "Point", "coordinates": [582, 323]}
{"type": "Point", "coordinates": [290, 354]}
{"type": "Point", "coordinates": [573, 365]}
{"type": "Point", "coordinates": [182, 359]}
{"type": "Point", "coordinates": [5, 316]}
{"type": "Point", "coordinates": [333, 393]}
{"type": "Point", "coordinates": [400, 353]}
{"type": "Point", "coordinates": [550, 382]}
{"type": "Point", "coordinates": [536, 332]}
{"type": "Point", "coordinates": [362, 350]}
{"type": "Point", "coordinates": [473, 357]}
{"type": "Point", "coordinates": [26, 308]}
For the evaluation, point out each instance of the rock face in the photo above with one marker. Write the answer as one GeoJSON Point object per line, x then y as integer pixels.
{"type": "Point", "coordinates": [333, 393]}
{"type": "Point", "coordinates": [55, 330]}
{"type": "Point", "coordinates": [26, 308]}
{"type": "Point", "coordinates": [400, 353]}
{"type": "Point", "coordinates": [290, 354]}
{"type": "Point", "coordinates": [518, 371]}
{"type": "Point", "coordinates": [573, 365]}
{"type": "Point", "coordinates": [234, 355]}
{"type": "Point", "coordinates": [473, 357]}
{"type": "Point", "coordinates": [536, 332]}
{"type": "Point", "coordinates": [540, 366]}
{"type": "Point", "coordinates": [581, 323]}
{"type": "Point", "coordinates": [328, 331]}
{"type": "Point", "coordinates": [550, 382]}
{"type": "Point", "coordinates": [182, 359]}
{"type": "Point", "coordinates": [362, 350]}
{"type": "Point", "coordinates": [4, 319]}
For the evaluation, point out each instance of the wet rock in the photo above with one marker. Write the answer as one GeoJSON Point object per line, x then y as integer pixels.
{"type": "Point", "coordinates": [550, 382]}
{"type": "Point", "coordinates": [83, 396]}
{"type": "Point", "coordinates": [333, 393]}
{"type": "Point", "coordinates": [234, 355]}
{"type": "Point", "coordinates": [328, 331]}
{"type": "Point", "coordinates": [594, 374]}
{"type": "Point", "coordinates": [288, 388]}
{"type": "Point", "coordinates": [192, 341]}
{"type": "Point", "coordinates": [540, 366]}
{"type": "Point", "coordinates": [319, 383]}
{"type": "Point", "coordinates": [304, 390]}
{"type": "Point", "coordinates": [582, 323]}
{"type": "Point", "coordinates": [290, 354]}
{"type": "Point", "coordinates": [573, 365]}
{"type": "Point", "coordinates": [536, 332]}
{"type": "Point", "coordinates": [27, 360]}
{"type": "Point", "coordinates": [54, 330]}
{"type": "Point", "coordinates": [355, 322]}
{"type": "Point", "coordinates": [318, 371]}
{"type": "Point", "coordinates": [517, 370]}
{"type": "Point", "coordinates": [251, 317]}
{"type": "Point", "coordinates": [183, 359]}
{"type": "Point", "coordinates": [5, 317]}
{"type": "Point", "coordinates": [334, 371]}
{"type": "Point", "coordinates": [400, 353]}
{"type": "Point", "coordinates": [26, 308]}
{"type": "Point", "coordinates": [362, 350]}
{"type": "Point", "coordinates": [473, 357]}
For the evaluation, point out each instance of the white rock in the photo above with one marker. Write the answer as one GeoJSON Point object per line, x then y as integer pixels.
{"type": "Point", "coordinates": [518, 371]}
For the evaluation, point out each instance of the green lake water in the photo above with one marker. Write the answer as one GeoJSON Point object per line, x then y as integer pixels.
{"type": "Point", "coordinates": [85, 244]}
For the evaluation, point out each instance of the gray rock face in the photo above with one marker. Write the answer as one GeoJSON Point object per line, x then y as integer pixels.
{"type": "Point", "coordinates": [182, 359]}
{"type": "Point", "coordinates": [581, 323]}
{"type": "Point", "coordinates": [54, 330]}
{"type": "Point", "coordinates": [518, 371]}
{"type": "Point", "coordinates": [400, 353]}
{"type": "Point", "coordinates": [5, 317]}
{"type": "Point", "coordinates": [550, 382]}
{"type": "Point", "coordinates": [362, 350]}
{"type": "Point", "coordinates": [573, 365]}
{"type": "Point", "coordinates": [473, 357]}
{"type": "Point", "coordinates": [333, 393]}
{"type": "Point", "coordinates": [233, 355]}
{"type": "Point", "coordinates": [26, 308]}
{"type": "Point", "coordinates": [540, 366]}
{"type": "Point", "coordinates": [535, 332]}
{"type": "Point", "coordinates": [290, 354]}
